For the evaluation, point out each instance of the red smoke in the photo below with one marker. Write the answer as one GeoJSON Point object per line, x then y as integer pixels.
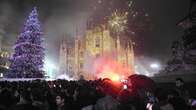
{"type": "Point", "coordinates": [108, 67]}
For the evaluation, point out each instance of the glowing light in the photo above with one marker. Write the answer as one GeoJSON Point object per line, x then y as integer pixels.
{"type": "Point", "coordinates": [118, 21]}
{"type": "Point", "coordinates": [155, 66]}
{"type": "Point", "coordinates": [123, 77]}
{"type": "Point", "coordinates": [124, 86]}
{"type": "Point", "coordinates": [1, 75]}
{"type": "Point", "coordinates": [7, 67]}
{"type": "Point", "coordinates": [146, 14]}
{"type": "Point", "coordinates": [49, 68]}
{"type": "Point", "coordinates": [111, 75]}
{"type": "Point", "coordinates": [115, 77]}
{"type": "Point", "coordinates": [147, 74]}
{"type": "Point", "coordinates": [64, 76]}
{"type": "Point", "coordinates": [108, 67]}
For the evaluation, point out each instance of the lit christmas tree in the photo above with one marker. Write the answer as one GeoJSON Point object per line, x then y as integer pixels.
{"type": "Point", "coordinates": [27, 60]}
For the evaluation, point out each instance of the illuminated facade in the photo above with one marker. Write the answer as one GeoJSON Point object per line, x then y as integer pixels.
{"type": "Point", "coordinates": [4, 55]}
{"type": "Point", "coordinates": [96, 42]}
{"type": "Point", "coordinates": [4, 62]}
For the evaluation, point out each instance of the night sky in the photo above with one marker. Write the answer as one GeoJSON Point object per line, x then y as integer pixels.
{"type": "Point", "coordinates": [61, 17]}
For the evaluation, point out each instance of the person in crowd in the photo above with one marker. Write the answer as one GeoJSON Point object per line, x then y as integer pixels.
{"type": "Point", "coordinates": [101, 94]}
{"type": "Point", "coordinates": [60, 102]}
{"type": "Point", "coordinates": [38, 99]}
{"type": "Point", "coordinates": [25, 102]}
{"type": "Point", "coordinates": [108, 102]}
{"type": "Point", "coordinates": [25, 97]}
{"type": "Point", "coordinates": [176, 101]}
{"type": "Point", "coordinates": [6, 98]}
{"type": "Point", "coordinates": [182, 90]}
{"type": "Point", "coordinates": [162, 100]}
{"type": "Point", "coordinates": [125, 100]}
{"type": "Point", "coordinates": [49, 100]}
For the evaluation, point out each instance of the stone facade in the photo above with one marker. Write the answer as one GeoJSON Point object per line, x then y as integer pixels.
{"type": "Point", "coordinates": [97, 42]}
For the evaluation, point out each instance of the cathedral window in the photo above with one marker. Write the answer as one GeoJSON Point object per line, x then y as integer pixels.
{"type": "Point", "coordinates": [81, 53]}
{"type": "Point", "coordinates": [81, 65]}
{"type": "Point", "coordinates": [70, 68]}
{"type": "Point", "coordinates": [97, 42]}
{"type": "Point", "coordinates": [68, 52]}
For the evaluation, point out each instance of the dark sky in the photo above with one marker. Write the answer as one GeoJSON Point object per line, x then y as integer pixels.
{"type": "Point", "coordinates": [61, 17]}
{"type": "Point", "coordinates": [164, 16]}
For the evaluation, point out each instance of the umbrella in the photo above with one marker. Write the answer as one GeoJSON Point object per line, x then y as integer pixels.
{"type": "Point", "coordinates": [141, 83]}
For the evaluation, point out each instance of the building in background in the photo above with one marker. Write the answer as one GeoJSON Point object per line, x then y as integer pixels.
{"type": "Point", "coordinates": [4, 54]}
{"type": "Point", "coordinates": [4, 60]}
{"type": "Point", "coordinates": [75, 54]}
{"type": "Point", "coordinates": [184, 49]}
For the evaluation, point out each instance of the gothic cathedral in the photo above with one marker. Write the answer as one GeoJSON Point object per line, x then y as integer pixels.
{"type": "Point", "coordinates": [96, 42]}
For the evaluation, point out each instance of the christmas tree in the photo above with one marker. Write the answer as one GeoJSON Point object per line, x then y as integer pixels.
{"type": "Point", "coordinates": [27, 60]}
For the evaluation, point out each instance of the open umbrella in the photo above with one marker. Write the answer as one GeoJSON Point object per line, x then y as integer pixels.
{"type": "Point", "coordinates": [141, 82]}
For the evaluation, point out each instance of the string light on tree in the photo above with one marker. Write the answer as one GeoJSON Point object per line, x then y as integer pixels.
{"type": "Point", "coordinates": [27, 59]}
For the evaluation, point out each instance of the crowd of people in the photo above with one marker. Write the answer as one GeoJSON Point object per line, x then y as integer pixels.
{"type": "Point", "coordinates": [90, 95]}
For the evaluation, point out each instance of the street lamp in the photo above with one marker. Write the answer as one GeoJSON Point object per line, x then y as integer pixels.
{"type": "Point", "coordinates": [155, 66]}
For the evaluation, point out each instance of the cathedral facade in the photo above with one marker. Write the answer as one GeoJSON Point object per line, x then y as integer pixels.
{"type": "Point", "coordinates": [97, 41]}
